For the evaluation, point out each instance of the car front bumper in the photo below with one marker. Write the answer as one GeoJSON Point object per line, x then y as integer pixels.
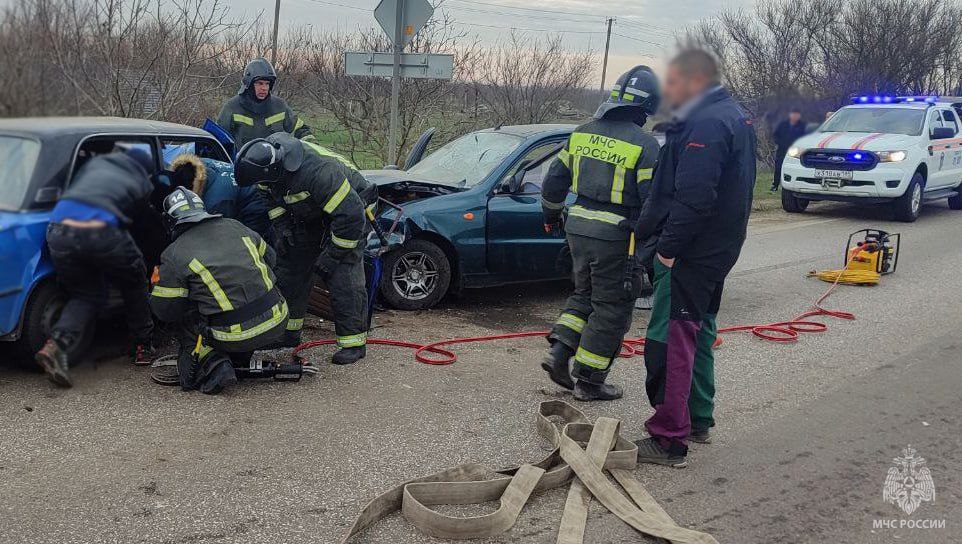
{"type": "Point", "coordinates": [882, 183]}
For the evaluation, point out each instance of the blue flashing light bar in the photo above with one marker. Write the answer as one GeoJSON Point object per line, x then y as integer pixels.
{"type": "Point", "coordinates": [888, 99]}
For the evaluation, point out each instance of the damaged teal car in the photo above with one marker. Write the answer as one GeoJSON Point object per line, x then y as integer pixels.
{"type": "Point", "coordinates": [469, 215]}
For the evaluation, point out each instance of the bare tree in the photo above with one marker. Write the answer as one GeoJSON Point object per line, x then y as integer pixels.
{"type": "Point", "coordinates": [522, 80]}
{"type": "Point", "coordinates": [143, 58]}
{"type": "Point", "coordinates": [359, 107]}
{"type": "Point", "coordinates": [817, 53]}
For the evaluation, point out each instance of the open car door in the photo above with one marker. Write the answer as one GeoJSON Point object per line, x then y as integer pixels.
{"type": "Point", "coordinates": [517, 245]}
{"type": "Point", "coordinates": [420, 146]}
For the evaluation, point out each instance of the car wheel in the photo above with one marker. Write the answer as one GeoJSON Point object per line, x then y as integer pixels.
{"type": "Point", "coordinates": [907, 207]}
{"type": "Point", "coordinates": [416, 276]}
{"type": "Point", "coordinates": [793, 204]}
{"type": "Point", "coordinates": [955, 202]}
{"type": "Point", "coordinates": [42, 312]}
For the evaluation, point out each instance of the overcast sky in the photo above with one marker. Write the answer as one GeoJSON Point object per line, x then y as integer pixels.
{"type": "Point", "coordinates": [642, 31]}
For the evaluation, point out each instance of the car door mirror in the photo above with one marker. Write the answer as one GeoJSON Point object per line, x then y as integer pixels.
{"type": "Point", "coordinates": [942, 133]}
{"type": "Point", "coordinates": [512, 184]}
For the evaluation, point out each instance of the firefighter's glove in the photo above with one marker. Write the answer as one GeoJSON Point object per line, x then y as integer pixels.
{"type": "Point", "coordinates": [636, 281]}
{"type": "Point", "coordinates": [553, 220]}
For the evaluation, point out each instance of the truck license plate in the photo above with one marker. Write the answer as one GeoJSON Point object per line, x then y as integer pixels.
{"type": "Point", "coordinates": [834, 174]}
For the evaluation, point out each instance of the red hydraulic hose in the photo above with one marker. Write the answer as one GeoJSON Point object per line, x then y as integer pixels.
{"type": "Point", "coordinates": [782, 331]}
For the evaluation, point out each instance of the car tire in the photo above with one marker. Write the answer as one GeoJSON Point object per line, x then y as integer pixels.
{"type": "Point", "coordinates": [793, 204]}
{"type": "Point", "coordinates": [907, 207]}
{"type": "Point", "coordinates": [955, 202]}
{"type": "Point", "coordinates": [416, 276]}
{"type": "Point", "coordinates": [42, 311]}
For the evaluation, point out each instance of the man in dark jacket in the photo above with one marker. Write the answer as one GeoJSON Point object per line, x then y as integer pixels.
{"type": "Point", "coordinates": [255, 112]}
{"type": "Point", "coordinates": [695, 221]}
{"type": "Point", "coordinates": [91, 249]}
{"type": "Point", "coordinates": [783, 137]}
{"type": "Point", "coordinates": [216, 279]}
{"type": "Point", "coordinates": [608, 164]}
{"type": "Point", "coordinates": [318, 226]}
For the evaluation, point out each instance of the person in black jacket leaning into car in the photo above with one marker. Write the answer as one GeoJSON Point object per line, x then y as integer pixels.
{"type": "Point", "coordinates": [694, 223]}
{"type": "Point", "coordinates": [90, 246]}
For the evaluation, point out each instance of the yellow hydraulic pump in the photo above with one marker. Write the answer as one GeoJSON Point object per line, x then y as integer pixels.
{"type": "Point", "coordinates": [869, 255]}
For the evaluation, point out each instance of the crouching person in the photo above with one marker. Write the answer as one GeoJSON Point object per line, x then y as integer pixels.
{"type": "Point", "coordinates": [216, 281]}
{"type": "Point", "coordinates": [91, 247]}
{"type": "Point", "coordinates": [214, 182]}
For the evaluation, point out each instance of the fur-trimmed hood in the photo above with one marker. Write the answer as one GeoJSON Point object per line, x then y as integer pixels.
{"type": "Point", "coordinates": [191, 169]}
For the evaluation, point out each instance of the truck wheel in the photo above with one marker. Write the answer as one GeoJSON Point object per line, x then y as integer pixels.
{"type": "Point", "coordinates": [43, 310]}
{"type": "Point", "coordinates": [416, 276]}
{"type": "Point", "coordinates": [793, 204]}
{"type": "Point", "coordinates": [907, 207]}
{"type": "Point", "coordinates": [955, 202]}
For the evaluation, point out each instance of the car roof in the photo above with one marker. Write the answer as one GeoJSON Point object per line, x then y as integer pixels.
{"type": "Point", "coordinates": [62, 126]}
{"type": "Point", "coordinates": [528, 131]}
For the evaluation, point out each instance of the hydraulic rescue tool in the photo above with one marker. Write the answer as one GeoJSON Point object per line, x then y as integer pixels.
{"type": "Point", "coordinates": [869, 255]}
{"type": "Point", "coordinates": [164, 370]}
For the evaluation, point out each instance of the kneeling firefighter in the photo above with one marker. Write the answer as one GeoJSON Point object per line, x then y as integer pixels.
{"type": "Point", "coordinates": [318, 225]}
{"type": "Point", "coordinates": [216, 280]}
{"type": "Point", "coordinates": [608, 164]}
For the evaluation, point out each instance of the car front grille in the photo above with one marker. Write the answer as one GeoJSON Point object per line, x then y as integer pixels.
{"type": "Point", "coordinates": [839, 159]}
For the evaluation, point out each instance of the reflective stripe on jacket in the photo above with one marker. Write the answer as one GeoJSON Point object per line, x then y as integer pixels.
{"type": "Point", "coordinates": [246, 120]}
{"type": "Point", "coordinates": [608, 164]}
{"type": "Point", "coordinates": [208, 278]}
{"type": "Point", "coordinates": [321, 197]}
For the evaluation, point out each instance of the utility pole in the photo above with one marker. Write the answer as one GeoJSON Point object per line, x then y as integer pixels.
{"type": "Point", "coordinates": [604, 67]}
{"type": "Point", "coordinates": [396, 82]}
{"type": "Point", "coordinates": [277, 18]}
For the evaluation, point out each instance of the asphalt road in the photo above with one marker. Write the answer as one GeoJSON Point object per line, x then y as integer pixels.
{"type": "Point", "coordinates": [806, 432]}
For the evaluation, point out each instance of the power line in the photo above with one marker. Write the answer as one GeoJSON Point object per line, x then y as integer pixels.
{"type": "Point", "coordinates": [497, 14]}
{"type": "Point", "coordinates": [657, 44]}
{"type": "Point", "coordinates": [503, 6]}
{"type": "Point", "coordinates": [557, 30]}
{"type": "Point", "coordinates": [339, 5]}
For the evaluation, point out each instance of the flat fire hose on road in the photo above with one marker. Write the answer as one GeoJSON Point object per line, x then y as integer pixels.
{"type": "Point", "coordinates": [583, 467]}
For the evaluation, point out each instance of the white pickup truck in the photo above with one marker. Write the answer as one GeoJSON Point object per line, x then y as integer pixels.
{"type": "Point", "coordinates": [899, 150]}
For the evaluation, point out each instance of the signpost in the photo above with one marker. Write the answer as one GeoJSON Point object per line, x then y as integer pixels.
{"type": "Point", "coordinates": [412, 65]}
{"type": "Point", "coordinates": [401, 21]}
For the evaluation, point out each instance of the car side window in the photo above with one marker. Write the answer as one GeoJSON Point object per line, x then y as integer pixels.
{"type": "Point", "coordinates": [533, 178]}
{"type": "Point", "coordinates": [935, 121]}
{"type": "Point", "coordinates": [104, 145]}
{"type": "Point", "coordinates": [171, 148]}
{"type": "Point", "coordinates": [949, 120]}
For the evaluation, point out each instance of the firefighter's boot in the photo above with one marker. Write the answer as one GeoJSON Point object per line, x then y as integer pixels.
{"type": "Point", "coordinates": [346, 356]}
{"type": "Point", "coordinates": [556, 364]}
{"type": "Point", "coordinates": [587, 391]}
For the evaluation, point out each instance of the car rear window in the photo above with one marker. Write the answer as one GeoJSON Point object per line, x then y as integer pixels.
{"type": "Point", "coordinates": [18, 157]}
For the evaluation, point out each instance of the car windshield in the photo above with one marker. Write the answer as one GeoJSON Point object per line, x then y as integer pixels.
{"type": "Point", "coordinates": [468, 160]}
{"type": "Point", "coordinates": [884, 120]}
{"type": "Point", "coordinates": [18, 157]}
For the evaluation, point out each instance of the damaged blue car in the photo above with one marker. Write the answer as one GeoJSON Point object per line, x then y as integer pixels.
{"type": "Point", "coordinates": [469, 215]}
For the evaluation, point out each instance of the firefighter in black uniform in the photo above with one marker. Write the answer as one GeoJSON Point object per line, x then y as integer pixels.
{"type": "Point", "coordinates": [216, 280]}
{"type": "Point", "coordinates": [608, 164]}
{"type": "Point", "coordinates": [255, 112]}
{"type": "Point", "coordinates": [318, 226]}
